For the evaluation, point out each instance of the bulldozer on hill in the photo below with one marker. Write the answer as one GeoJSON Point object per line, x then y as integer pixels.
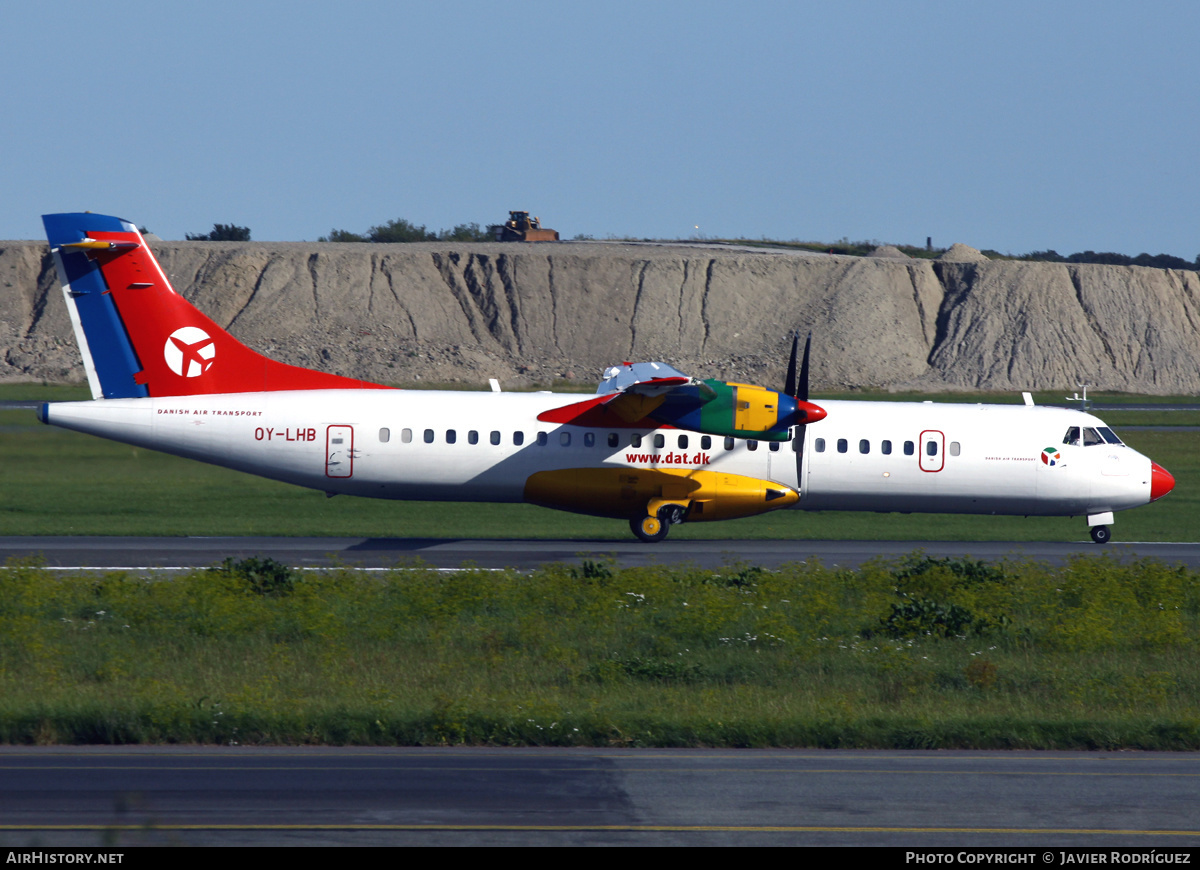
{"type": "Point", "coordinates": [520, 227]}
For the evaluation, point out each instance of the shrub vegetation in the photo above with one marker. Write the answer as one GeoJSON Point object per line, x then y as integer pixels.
{"type": "Point", "coordinates": [916, 653]}
{"type": "Point", "coordinates": [401, 230]}
{"type": "Point", "coordinates": [221, 233]}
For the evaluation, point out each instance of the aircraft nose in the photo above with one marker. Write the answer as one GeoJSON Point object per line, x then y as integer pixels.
{"type": "Point", "coordinates": [1161, 481]}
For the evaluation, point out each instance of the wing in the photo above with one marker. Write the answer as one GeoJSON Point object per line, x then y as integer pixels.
{"type": "Point", "coordinates": [627, 396]}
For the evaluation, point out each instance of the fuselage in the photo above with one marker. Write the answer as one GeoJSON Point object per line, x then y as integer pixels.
{"type": "Point", "coordinates": [465, 446]}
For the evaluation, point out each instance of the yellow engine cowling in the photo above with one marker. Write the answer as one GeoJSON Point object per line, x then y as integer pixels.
{"type": "Point", "coordinates": [754, 408]}
{"type": "Point", "coordinates": [633, 492]}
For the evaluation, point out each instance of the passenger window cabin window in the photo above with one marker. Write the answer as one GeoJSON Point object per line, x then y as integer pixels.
{"type": "Point", "coordinates": [428, 436]}
{"type": "Point", "coordinates": [385, 435]}
{"type": "Point", "coordinates": [931, 448]}
{"type": "Point", "coordinates": [614, 440]}
{"type": "Point", "coordinates": [518, 439]}
{"type": "Point", "coordinates": [451, 436]}
{"type": "Point", "coordinates": [542, 439]}
{"type": "Point", "coordinates": [683, 442]}
{"type": "Point", "coordinates": [494, 437]}
{"type": "Point", "coordinates": [705, 442]}
{"type": "Point", "coordinates": [659, 441]}
{"type": "Point", "coordinates": [819, 445]}
{"type": "Point", "coordinates": [406, 436]}
{"type": "Point", "coordinates": [843, 445]}
{"type": "Point", "coordinates": [635, 440]}
{"type": "Point", "coordinates": [589, 439]}
{"type": "Point", "coordinates": [885, 447]}
{"type": "Point", "coordinates": [955, 448]}
{"type": "Point", "coordinates": [472, 437]}
{"type": "Point", "coordinates": [774, 446]}
{"type": "Point", "coordinates": [564, 438]}
{"type": "Point", "coordinates": [909, 448]}
{"type": "Point", "coordinates": [864, 446]}
{"type": "Point", "coordinates": [751, 444]}
{"type": "Point", "coordinates": [728, 442]}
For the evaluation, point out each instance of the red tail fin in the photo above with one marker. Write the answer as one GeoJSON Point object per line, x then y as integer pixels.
{"type": "Point", "coordinates": [176, 350]}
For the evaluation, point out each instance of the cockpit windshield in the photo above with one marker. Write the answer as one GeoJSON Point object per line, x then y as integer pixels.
{"type": "Point", "coordinates": [1087, 436]}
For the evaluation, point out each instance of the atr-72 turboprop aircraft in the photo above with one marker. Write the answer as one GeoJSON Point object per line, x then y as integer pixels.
{"type": "Point", "coordinates": [653, 446]}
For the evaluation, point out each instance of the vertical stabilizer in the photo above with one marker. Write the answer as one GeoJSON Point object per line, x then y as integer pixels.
{"type": "Point", "coordinates": [139, 337]}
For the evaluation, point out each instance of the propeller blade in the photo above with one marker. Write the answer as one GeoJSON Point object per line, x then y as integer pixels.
{"type": "Point", "coordinates": [803, 394]}
{"type": "Point", "coordinates": [789, 388]}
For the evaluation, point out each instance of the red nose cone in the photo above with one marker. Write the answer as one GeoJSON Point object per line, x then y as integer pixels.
{"type": "Point", "coordinates": [1161, 481]}
{"type": "Point", "coordinates": [812, 413]}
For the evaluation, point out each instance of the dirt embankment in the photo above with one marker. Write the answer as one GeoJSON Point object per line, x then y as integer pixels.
{"type": "Point", "coordinates": [533, 314]}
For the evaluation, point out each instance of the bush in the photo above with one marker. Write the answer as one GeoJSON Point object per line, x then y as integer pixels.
{"type": "Point", "coordinates": [401, 230]}
{"type": "Point", "coordinates": [261, 576]}
{"type": "Point", "coordinates": [221, 233]}
{"type": "Point", "coordinates": [343, 236]}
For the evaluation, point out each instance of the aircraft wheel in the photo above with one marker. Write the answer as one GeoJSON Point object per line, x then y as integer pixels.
{"type": "Point", "coordinates": [671, 514]}
{"type": "Point", "coordinates": [1101, 534]}
{"type": "Point", "coordinates": [649, 529]}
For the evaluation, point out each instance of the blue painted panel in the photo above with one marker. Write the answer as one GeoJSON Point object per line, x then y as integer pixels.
{"type": "Point", "coordinates": [113, 355]}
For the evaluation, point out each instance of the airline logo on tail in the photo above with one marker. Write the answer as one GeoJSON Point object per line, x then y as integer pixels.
{"type": "Point", "coordinates": [190, 352]}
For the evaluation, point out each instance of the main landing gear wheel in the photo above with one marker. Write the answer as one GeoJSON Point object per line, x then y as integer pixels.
{"type": "Point", "coordinates": [1101, 534]}
{"type": "Point", "coordinates": [649, 529]}
{"type": "Point", "coordinates": [671, 514]}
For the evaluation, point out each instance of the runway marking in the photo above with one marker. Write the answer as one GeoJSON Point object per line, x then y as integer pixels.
{"type": "Point", "coordinates": [293, 567]}
{"type": "Point", "coordinates": [576, 769]}
{"type": "Point", "coordinates": [768, 829]}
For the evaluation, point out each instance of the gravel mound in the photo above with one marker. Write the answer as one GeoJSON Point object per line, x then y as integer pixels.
{"type": "Point", "coordinates": [536, 314]}
{"type": "Point", "coordinates": [960, 253]}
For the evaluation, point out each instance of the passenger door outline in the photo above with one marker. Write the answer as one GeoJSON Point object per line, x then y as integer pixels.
{"type": "Point", "coordinates": [339, 451]}
{"type": "Point", "coordinates": [926, 461]}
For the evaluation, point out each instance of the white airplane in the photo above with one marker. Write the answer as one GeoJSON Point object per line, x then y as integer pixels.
{"type": "Point", "coordinates": [653, 446]}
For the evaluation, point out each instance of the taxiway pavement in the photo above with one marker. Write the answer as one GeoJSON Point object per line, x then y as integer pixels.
{"type": "Point", "coordinates": [122, 796]}
{"type": "Point", "coordinates": [300, 552]}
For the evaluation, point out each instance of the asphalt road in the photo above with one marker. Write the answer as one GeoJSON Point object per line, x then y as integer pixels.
{"type": "Point", "coordinates": [480, 796]}
{"type": "Point", "coordinates": [129, 552]}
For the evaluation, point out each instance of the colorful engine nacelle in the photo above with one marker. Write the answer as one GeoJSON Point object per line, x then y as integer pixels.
{"type": "Point", "coordinates": [648, 395]}
{"type": "Point", "coordinates": [740, 410]}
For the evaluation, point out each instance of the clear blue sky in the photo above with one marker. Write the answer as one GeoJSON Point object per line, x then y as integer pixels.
{"type": "Point", "coordinates": [1013, 125]}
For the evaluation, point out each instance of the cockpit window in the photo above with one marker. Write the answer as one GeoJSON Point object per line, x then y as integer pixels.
{"type": "Point", "coordinates": [1089, 436]}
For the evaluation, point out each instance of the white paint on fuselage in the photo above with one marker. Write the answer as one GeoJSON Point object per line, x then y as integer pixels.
{"type": "Point", "coordinates": [998, 468]}
{"type": "Point", "coordinates": [285, 436]}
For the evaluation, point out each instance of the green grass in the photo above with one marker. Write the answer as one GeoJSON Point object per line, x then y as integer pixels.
{"type": "Point", "coordinates": [64, 483]}
{"type": "Point", "coordinates": [922, 653]}
{"type": "Point", "coordinates": [44, 392]}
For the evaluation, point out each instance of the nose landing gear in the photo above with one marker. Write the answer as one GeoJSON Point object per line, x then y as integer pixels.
{"type": "Point", "coordinates": [1101, 534]}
